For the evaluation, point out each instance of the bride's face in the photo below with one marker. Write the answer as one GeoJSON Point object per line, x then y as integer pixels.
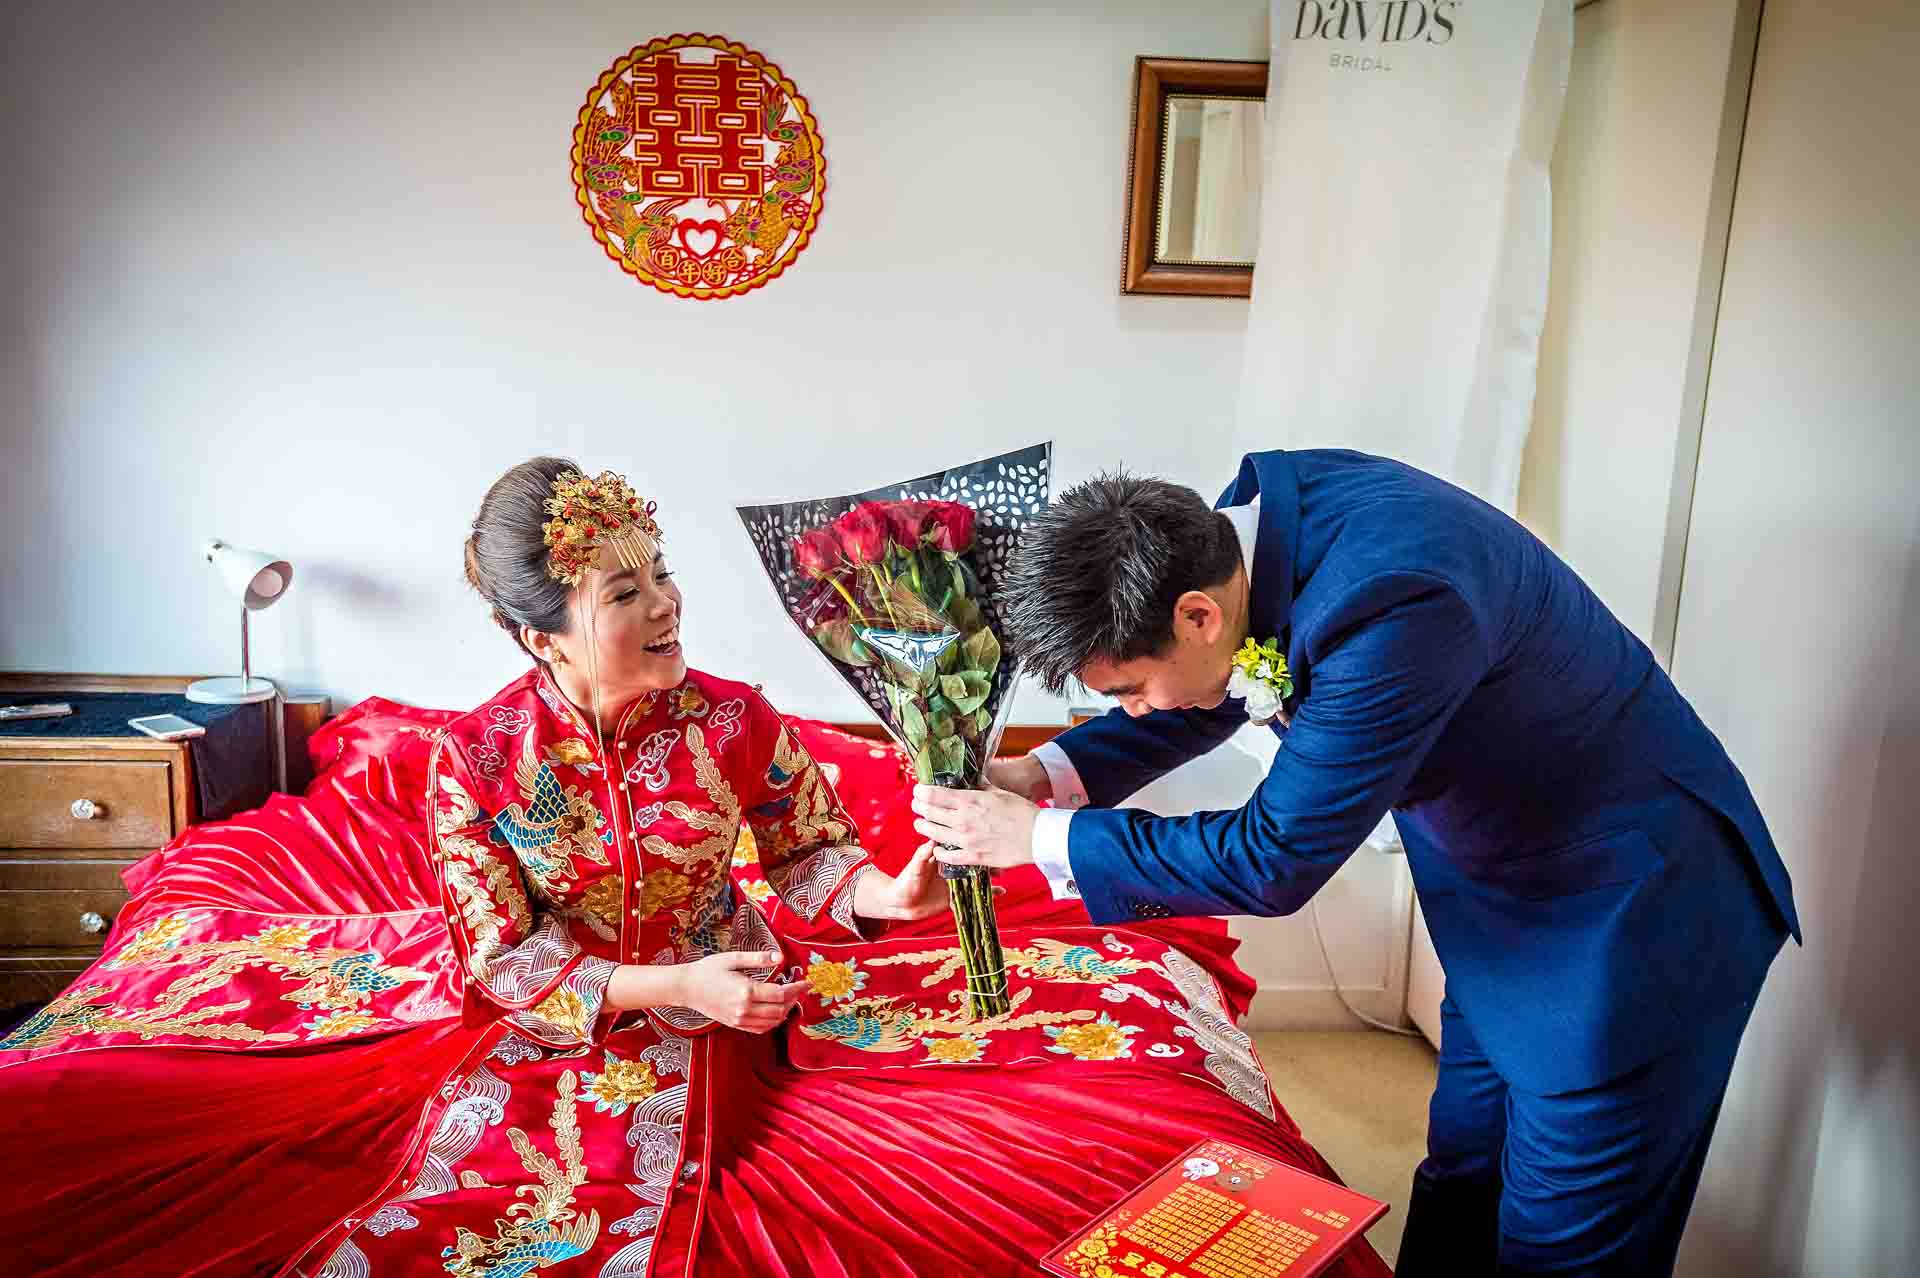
{"type": "Point", "coordinates": [633, 617]}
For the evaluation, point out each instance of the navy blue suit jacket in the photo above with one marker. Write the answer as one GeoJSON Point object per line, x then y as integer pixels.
{"type": "Point", "coordinates": [1592, 866]}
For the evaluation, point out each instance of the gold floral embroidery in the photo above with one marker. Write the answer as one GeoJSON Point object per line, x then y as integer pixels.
{"type": "Point", "coordinates": [549, 1229]}
{"type": "Point", "coordinates": [759, 891]}
{"type": "Point", "coordinates": [339, 1024]}
{"type": "Point", "coordinates": [832, 981]}
{"type": "Point", "coordinates": [960, 1050]}
{"type": "Point", "coordinates": [687, 703]}
{"type": "Point", "coordinates": [1103, 1040]}
{"type": "Point", "coordinates": [284, 936]}
{"type": "Point", "coordinates": [161, 934]}
{"type": "Point", "coordinates": [745, 850]}
{"type": "Point", "coordinates": [619, 1084]}
{"type": "Point", "coordinates": [600, 907]}
{"type": "Point", "coordinates": [662, 889]}
{"type": "Point", "coordinates": [565, 1010]}
{"type": "Point", "coordinates": [569, 751]}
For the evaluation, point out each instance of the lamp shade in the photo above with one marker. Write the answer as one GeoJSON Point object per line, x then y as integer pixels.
{"type": "Point", "coordinates": [254, 577]}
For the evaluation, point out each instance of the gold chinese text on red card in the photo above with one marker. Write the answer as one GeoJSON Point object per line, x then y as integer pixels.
{"type": "Point", "coordinates": [1220, 1211]}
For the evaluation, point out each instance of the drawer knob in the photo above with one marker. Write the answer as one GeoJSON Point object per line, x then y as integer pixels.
{"type": "Point", "coordinates": [85, 809]}
{"type": "Point", "coordinates": [93, 921]}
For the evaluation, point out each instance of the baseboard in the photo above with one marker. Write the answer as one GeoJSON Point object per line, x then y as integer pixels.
{"type": "Point", "coordinates": [1319, 1008]}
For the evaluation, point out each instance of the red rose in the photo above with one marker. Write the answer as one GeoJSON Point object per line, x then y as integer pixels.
{"type": "Point", "coordinates": [907, 521]}
{"type": "Point", "coordinates": [952, 527]}
{"type": "Point", "coordinates": [817, 553]}
{"type": "Point", "coordinates": [863, 532]}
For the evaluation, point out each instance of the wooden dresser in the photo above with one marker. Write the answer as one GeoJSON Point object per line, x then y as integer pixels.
{"type": "Point", "coordinates": [74, 813]}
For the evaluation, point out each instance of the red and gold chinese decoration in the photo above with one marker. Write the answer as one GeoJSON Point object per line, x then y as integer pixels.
{"type": "Point", "coordinates": [698, 166]}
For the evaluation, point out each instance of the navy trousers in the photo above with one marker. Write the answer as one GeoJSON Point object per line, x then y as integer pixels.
{"type": "Point", "coordinates": [1594, 1182]}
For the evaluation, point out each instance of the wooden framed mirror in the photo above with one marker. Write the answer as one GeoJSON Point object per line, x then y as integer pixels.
{"type": "Point", "coordinates": [1192, 216]}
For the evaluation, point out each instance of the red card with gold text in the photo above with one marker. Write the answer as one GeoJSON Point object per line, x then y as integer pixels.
{"type": "Point", "coordinates": [1220, 1211]}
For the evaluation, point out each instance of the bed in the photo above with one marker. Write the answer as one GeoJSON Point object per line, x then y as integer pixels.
{"type": "Point", "coordinates": [209, 1157]}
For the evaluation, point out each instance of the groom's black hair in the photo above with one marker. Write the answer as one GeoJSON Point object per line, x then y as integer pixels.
{"type": "Point", "coordinates": [1096, 574]}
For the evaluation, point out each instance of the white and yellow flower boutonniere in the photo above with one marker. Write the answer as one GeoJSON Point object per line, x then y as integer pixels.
{"type": "Point", "coordinates": [1260, 678]}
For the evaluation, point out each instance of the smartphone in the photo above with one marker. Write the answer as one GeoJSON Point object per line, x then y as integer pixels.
{"type": "Point", "coordinates": [167, 727]}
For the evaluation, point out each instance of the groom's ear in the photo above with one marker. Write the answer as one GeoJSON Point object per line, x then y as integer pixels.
{"type": "Point", "coordinates": [1198, 616]}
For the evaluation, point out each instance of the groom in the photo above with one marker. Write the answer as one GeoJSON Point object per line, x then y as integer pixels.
{"type": "Point", "coordinates": [1600, 886]}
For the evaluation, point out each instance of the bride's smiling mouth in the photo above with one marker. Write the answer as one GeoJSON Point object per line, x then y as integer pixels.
{"type": "Point", "coordinates": [667, 645]}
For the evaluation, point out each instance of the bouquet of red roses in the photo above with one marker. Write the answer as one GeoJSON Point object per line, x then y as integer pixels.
{"type": "Point", "coordinates": [896, 587]}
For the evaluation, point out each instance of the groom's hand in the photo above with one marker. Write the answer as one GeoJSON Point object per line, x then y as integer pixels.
{"type": "Point", "coordinates": [979, 827]}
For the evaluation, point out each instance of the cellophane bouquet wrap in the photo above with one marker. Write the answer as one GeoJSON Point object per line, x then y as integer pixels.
{"type": "Point", "coordinates": [897, 587]}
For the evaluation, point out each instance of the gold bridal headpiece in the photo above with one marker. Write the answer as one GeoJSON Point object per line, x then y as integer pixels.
{"type": "Point", "coordinates": [588, 514]}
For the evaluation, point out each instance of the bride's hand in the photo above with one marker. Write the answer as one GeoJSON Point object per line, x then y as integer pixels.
{"type": "Point", "coordinates": [719, 986]}
{"type": "Point", "coordinates": [916, 892]}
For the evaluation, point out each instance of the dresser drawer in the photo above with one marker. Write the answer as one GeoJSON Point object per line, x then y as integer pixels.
{"type": "Point", "coordinates": [131, 801]}
{"type": "Point", "coordinates": [59, 905]}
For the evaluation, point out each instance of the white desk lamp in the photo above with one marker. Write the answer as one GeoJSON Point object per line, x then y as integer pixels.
{"type": "Point", "coordinates": [258, 580]}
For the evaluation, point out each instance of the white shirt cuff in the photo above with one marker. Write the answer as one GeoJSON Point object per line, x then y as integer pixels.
{"type": "Point", "coordinates": [1068, 793]}
{"type": "Point", "coordinates": [1050, 829]}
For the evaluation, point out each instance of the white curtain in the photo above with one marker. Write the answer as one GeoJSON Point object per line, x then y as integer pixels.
{"type": "Point", "coordinates": [1405, 236]}
{"type": "Point", "coordinates": [1405, 231]}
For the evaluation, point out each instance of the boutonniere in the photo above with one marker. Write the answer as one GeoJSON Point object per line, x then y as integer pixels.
{"type": "Point", "coordinates": [1260, 678]}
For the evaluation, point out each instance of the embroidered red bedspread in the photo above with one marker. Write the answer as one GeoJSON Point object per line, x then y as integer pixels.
{"type": "Point", "coordinates": [878, 1136]}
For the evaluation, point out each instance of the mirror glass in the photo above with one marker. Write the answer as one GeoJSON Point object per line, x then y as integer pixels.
{"type": "Point", "coordinates": [1208, 209]}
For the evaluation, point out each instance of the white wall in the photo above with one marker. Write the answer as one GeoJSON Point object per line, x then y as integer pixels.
{"type": "Point", "coordinates": [1797, 640]}
{"type": "Point", "coordinates": [309, 276]}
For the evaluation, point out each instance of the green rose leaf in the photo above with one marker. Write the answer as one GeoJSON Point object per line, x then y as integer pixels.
{"type": "Point", "coordinates": [913, 723]}
{"type": "Point", "coordinates": [968, 691]}
{"type": "Point", "coordinates": [949, 755]}
{"type": "Point", "coordinates": [837, 639]}
{"type": "Point", "coordinates": [940, 724]}
{"type": "Point", "coordinates": [982, 651]}
{"type": "Point", "coordinates": [922, 764]}
{"type": "Point", "coordinates": [965, 614]}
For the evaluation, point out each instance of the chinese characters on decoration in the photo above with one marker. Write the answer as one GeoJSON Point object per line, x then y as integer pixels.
{"type": "Point", "coordinates": [698, 166]}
